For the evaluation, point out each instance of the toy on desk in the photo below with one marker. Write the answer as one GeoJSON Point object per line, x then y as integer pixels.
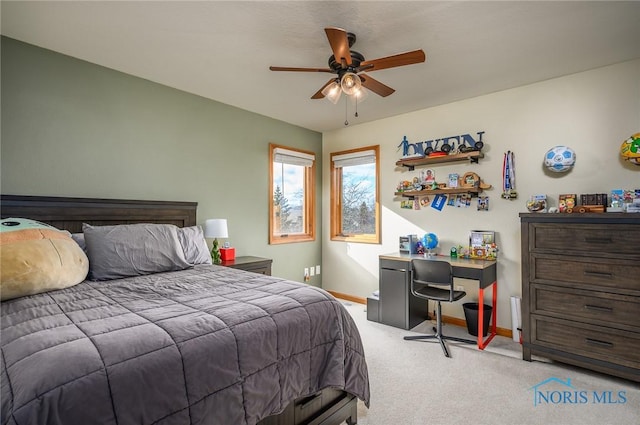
{"type": "Point", "coordinates": [485, 252]}
{"type": "Point", "coordinates": [430, 242]}
{"type": "Point", "coordinates": [482, 245]}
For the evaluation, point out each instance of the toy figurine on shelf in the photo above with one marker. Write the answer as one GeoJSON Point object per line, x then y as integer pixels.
{"type": "Point", "coordinates": [537, 203]}
{"type": "Point", "coordinates": [404, 185]}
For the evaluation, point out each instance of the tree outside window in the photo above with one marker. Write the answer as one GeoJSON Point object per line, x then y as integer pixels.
{"type": "Point", "coordinates": [355, 207]}
{"type": "Point", "coordinates": [292, 183]}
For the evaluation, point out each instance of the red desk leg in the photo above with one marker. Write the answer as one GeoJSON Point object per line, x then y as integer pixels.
{"type": "Point", "coordinates": [482, 344]}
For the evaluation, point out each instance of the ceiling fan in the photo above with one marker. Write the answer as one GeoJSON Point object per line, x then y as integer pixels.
{"type": "Point", "coordinates": [349, 66]}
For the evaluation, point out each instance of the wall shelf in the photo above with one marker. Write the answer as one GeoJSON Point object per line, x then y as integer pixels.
{"type": "Point", "coordinates": [411, 163]}
{"type": "Point", "coordinates": [450, 191]}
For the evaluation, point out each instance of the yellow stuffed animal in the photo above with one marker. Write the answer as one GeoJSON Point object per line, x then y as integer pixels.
{"type": "Point", "coordinates": [36, 258]}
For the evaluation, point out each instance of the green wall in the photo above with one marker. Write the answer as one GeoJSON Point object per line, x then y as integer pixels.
{"type": "Point", "coordinates": [72, 128]}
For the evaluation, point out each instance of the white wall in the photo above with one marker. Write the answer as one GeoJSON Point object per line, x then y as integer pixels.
{"type": "Point", "coordinates": [591, 112]}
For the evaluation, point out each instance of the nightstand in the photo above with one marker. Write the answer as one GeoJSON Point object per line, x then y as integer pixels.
{"type": "Point", "coordinates": [250, 264]}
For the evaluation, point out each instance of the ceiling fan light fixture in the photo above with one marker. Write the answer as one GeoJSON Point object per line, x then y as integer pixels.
{"type": "Point", "coordinates": [332, 92]}
{"type": "Point", "coordinates": [350, 83]}
{"type": "Point", "coordinates": [360, 94]}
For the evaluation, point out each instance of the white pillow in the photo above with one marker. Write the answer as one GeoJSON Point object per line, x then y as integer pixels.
{"type": "Point", "coordinates": [194, 245]}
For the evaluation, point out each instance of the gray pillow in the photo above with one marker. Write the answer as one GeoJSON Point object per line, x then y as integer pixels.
{"type": "Point", "coordinates": [132, 250]}
{"type": "Point", "coordinates": [194, 245]}
{"type": "Point", "coordinates": [79, 238]}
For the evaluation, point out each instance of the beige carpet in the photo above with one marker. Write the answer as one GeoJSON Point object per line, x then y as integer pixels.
{"type": "Point", "coordinates": [412, 383]}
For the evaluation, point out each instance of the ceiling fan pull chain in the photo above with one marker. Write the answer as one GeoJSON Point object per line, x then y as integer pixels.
{"type": "Point", "coordinates": [356, 114]}
{"type": "Point", "coordinates": [346, 110]}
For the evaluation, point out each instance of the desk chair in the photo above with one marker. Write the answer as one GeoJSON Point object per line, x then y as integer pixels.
{"type": "Point", "coordinates": [433, 280]}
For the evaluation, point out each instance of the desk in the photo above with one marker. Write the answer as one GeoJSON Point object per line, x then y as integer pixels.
{"type": "Point", "coordinates": [398, 307]}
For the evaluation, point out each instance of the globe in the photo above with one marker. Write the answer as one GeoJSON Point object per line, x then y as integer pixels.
{"type": "Point", "coordinates": [430, 240]}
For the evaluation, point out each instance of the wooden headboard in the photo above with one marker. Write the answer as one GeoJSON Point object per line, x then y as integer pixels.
{"type": "Point", "coordinates": [70, 213]}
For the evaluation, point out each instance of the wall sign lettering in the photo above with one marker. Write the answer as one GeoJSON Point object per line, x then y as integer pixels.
{"type": "Point", "coordinates": [461, 142]}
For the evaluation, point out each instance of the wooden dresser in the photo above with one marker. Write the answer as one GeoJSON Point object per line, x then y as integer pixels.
{"type": "Point", "coordinates": [581, 290]}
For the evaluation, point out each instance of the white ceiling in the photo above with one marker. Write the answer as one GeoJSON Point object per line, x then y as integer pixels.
{"type": "Point", "coordinates": [223, 50]}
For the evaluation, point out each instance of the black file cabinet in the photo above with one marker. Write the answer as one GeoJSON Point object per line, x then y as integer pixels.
{"type": "Point", "coordinates": [398, 307]}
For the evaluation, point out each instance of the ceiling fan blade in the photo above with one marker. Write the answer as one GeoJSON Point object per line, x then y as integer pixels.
{"type": "Point", "coordinates": [339, 44]}
{"type": "Point", "coordinates": [401, 59]}
{"type": "Point", "coordinates": [375, 85]}
{"type": "Point", "coordinates": [318, 94]}
{"type": "Point", "coordinates": [284, 68]}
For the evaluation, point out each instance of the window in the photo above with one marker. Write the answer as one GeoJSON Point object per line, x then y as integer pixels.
{"type": "Point", "coordinates": [355, 206]}
{"type": "Point", "coordinates": [291, 188]}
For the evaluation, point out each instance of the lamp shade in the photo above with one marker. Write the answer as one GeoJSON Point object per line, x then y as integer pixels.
{"type": "Point", "coordinates": [350, 83]}
{"type": "Point", "coordinates": [216, 228]}
{"type": "Point", "coordinates": [332, 92]}
{"type": "Point", "coordinates": [360, 94]}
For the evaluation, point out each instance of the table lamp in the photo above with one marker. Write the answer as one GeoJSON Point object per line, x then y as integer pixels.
{"type": "Point", "coordinates": [216, 228]}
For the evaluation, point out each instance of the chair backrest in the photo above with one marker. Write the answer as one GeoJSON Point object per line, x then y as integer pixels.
{"type": "Point", "coordinates": [432, 272]}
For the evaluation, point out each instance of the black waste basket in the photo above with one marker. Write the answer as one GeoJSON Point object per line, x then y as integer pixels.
{"type": "Point", "coordinates": [471, 316]}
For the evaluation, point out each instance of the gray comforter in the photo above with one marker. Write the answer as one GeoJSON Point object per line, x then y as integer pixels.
{"type": "Point", "coordinates": [209, 345]}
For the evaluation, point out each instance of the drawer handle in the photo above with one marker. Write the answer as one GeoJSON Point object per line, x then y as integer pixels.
{"type": "Point", "coordinates": [598, 342]}
{"type": "Point", "coordinates": [598, 274]}
{"type": "Point", "coordinates": [598, 308]}
{"type": "Point", "coordinates": [597, 240]}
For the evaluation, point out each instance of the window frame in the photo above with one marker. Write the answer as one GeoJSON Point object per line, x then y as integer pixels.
{"type": "Point", "coordinates": [309, 213]}
{"type": "Point", "coordinates": [336, 200]}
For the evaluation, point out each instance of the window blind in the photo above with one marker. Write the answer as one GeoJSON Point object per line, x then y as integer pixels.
{"type": "Point", "coordinates": [287, 156]}
{"type": "Point", "coordinates": [354, 158]}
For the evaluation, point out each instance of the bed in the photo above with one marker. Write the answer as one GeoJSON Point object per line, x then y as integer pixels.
{"type": "Point", "coordinates": [203, 345]}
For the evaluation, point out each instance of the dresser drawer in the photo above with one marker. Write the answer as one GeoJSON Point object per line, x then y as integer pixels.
{"type": "Point", "coordinates": [595, 342]}
{"type": "Point", "coordinates": [618, 275]}
{"type": "Point", "coordinates": [594, 239]}
{"type": "Point", "coordinates": [599, 308]}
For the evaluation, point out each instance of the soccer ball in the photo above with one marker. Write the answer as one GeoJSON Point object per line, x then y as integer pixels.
{"type": "Point", "coordinates": [559, 159]}
{"type": "Point", "coordinates": [630, 149]}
